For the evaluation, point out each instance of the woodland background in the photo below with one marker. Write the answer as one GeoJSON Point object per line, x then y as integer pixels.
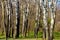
{"type": "Point", "coordinates": [31, 23]}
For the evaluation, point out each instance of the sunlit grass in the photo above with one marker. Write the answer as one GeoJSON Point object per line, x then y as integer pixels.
{"type": "Point", "coordinates": [31, 36]}
{"type": "Point", "coordinates": [26, 39]}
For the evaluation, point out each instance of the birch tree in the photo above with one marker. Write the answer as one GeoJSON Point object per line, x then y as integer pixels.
{"type": "Point", "coordinates": [37, 18]}
{"type": "Point", "coordinates": [45, 28]}
{"type": "Point", "coordinates": [44, 23]}
{"type": "Point", "coordinates": [11, 19]}
{"type": "Point", "coordinates": [2, 20]}
{"type": "Point", "coordinates": [23, 21]}
{"type": "Point", "coordinates": [6, 19]}
{"type": "Point", "coordinates": [15, 18]}
{"type": "Point", "coordinates": [47, 11]}
{"type": "Point", "coordinates": [9, 16]}
{"type": "Point", "coordinates": [25, 18]}
{"type": "Point", "coordinates": [52, 10]}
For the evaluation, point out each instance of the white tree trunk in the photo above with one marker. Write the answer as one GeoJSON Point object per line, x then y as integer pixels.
{"type": "Point", "coordinates": [52, 10]}
{"type": "Point", "coordinates": [15, 14]}
{"type": "Point", "coordinates": [36, 24]}
{"type": "Point", "coordinates": [45, 13]}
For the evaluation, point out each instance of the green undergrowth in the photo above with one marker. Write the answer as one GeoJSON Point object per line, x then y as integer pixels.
{"type": "Point", "coordinates": [57, 35]}
{"type": "Point", "coordinates": [31, 35]}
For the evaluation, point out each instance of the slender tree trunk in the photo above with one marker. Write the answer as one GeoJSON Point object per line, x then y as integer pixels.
{"type": "Point", "coordinates": [6, 21]}
{"type": "Point", "coordinates": [53, 9]}
{"type": "Point", "coordinates": [18, 18]}
{"type": "Point", "coordinates": [45, 31]}
{"type": "Point", "coordinates": [46, 5]}
{"type": "Point", "coordinates": [11, 19]}
{"type": "Point", "coordinates": [36, 20]}
{"type": "Point", "coordinates": [44, 23]}
{"type": "Point", "coordinates": [25, 19]}
{"type": "Point", "coordinates": [23, 23]}
{"type": "Point", "coordinates": [15, 16]}
{"type": "Point", "coordinates": [2, 21]}
{"type": "Point", "coordinates": [9, 16]}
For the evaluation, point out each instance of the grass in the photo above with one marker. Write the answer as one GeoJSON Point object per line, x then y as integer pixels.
{"type": "Point", "coordinates": [27, 39]}
{"type": "Point", "coordinates": [57, 35]}
{"type": "Point", "coordinates": [31, 36]}
{"type": "Point", "coordinates": [2, 36]}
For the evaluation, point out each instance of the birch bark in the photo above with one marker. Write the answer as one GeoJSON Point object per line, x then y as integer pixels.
{"type": "Point", "coordinates": [53, 10]}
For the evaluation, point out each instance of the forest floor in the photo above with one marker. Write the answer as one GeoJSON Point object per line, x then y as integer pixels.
{"type": "Point", "coordinates": [31, 37]}
{"type": "Point", "coordinates": [27, 39]}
